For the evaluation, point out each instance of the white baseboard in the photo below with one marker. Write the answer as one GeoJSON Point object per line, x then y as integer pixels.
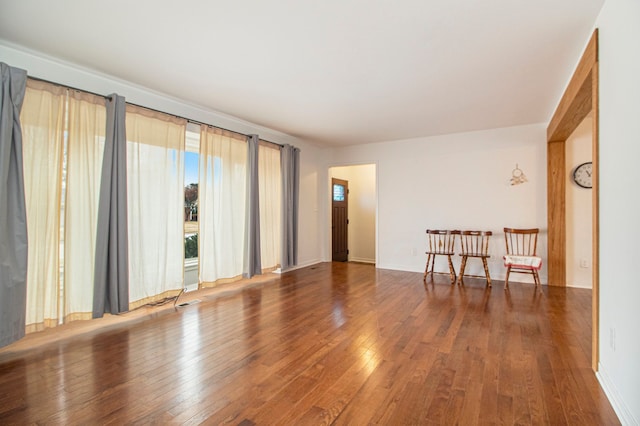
{"type": "Point", "coordinates": [362, 260]}
{"type": "Point", "coordinates": [404, 268]}
{"type": "Point", "coordinates": [300, 266]}
{"type": "Point", "coordinates": [587, 286]}
{"type": "Point", "coordinates": [619, 406]}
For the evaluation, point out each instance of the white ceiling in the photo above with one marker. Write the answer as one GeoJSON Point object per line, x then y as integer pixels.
{"type": "Point", "coordinates": [335, 72]}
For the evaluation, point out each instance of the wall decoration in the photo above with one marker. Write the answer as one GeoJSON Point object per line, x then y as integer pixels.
{"type": "Point", "coordinates": [517, 176]}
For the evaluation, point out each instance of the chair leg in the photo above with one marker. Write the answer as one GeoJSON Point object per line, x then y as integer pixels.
{"type": "Point", "coordinates": [452, 271]}
{"type": "Point", "coordinates": [463, 265]}
{"type": "Point", "coordinates": [536, 278]}
{"type": "Point", "coordinates": [433, 264]}
{"type": "Point", "coordinates": [506, 280]}
{"type": "Point", "coordinates": [486, 271]}
{"type": "Point", "coordinates": [426, 269]}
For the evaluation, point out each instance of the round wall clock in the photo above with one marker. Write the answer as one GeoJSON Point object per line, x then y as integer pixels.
{"type": "Point", "coordinates": [582, 175]}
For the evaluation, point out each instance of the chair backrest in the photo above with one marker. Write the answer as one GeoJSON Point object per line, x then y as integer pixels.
{"type": "Point", "coordinates": [441, 241]}
{"type": "Point", "coordinates": [475, 242]}
{"type": "Point", "coordinates": [521, 242]}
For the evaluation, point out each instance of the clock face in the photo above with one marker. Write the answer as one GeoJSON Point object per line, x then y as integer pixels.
{"type": "Point", "coordinates": [582, 175]}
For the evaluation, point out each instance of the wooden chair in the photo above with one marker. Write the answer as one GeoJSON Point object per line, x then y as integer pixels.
{"type": "Point", "coordinates": [474, 244]}
{"type": "Point", "coordinates": [521, 253]}
{"type": "Point", "coordinates": [440, 243]}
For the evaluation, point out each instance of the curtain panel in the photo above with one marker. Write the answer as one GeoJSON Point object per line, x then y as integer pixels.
{"type": "Point", "coordinates": [252, 260]}
{"type": "Point", "coordinates": [270, 182]}
{"type": "Point", "coordinates": [63, 139]}
{"type": "Point", "coordinates": [221, 205]}
{"type": "Point", "coordinates": [43, 127]}
{"type": "Point", "coordinates": [155, 184]}
{"type": "Point", "coordinates": [86, 118]}
{"type": "Point", "coordinates": [290, 163]}
{"type": "Point", "coordinates": [111, 274]}
{"type": "Point", "coordinates": [13, 229]}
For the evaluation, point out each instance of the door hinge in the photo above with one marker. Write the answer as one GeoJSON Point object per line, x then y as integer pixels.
{"type": "Point", "coordinates": [347, 221]}
{"type": "Point", "coordinates": [347, 251]}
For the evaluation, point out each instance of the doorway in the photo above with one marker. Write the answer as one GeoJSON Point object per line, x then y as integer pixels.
{"type": "Point", "coordinates": [361, 196]}
{"type": "Point", "coordinates": [578, 202]}
{"type": "Point", "coordinates": [339, 220]}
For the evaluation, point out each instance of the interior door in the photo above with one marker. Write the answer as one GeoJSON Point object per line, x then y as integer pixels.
{"type": "Point", "coordinates": [339, 219]}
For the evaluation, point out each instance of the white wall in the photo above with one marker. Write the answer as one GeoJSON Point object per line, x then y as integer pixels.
{"type": "Point", "coordinates": [579, 209]}
{"type": "Point", "coordinates": [619, 193]}
{"type": "Point", "coordinates": [458, 181]}
{"type": "Point", "coordinates": [41, 66]}
{"type": "Point", "coordinates": [362, 210]}
{"type": "Point", "coordinates": [309, 241]}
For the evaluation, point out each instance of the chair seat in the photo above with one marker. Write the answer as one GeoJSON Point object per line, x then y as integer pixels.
{"type": "Point", "coordinates": [523, 262]}
{"type": "Point", "coordinates": [475, 255]}
{"type": "Point", "coordinates": [442, 253]}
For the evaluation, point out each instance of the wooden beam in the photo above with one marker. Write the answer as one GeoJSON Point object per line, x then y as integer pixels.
{"type": "Point", "coordinates": [579, 108]}
{"type": "Point", "coordinates": [576, 100]}
{"type": "Point", "coordinates": [556, 217]}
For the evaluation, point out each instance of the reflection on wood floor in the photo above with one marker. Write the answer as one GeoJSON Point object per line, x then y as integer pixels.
{"type": "Point", "coordinates": [332, 343]}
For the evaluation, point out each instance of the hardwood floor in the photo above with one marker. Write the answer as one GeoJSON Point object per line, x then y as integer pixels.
{"type": "Point", "coordinates": [335, 343]}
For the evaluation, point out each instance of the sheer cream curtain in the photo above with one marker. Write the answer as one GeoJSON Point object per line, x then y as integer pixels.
{"type": "Point", "coordinates": [85, 146]}
{"type": "Point", "coordinates": [270, 183]}
{"type": "Point", "coordinates": [221, 205]}
{"type": "Point", "coordinates": [61, 186]}
{"type": "Point", "coordinates": [42, 119]}
{"type": "Point", "coordinates": [155, 182]}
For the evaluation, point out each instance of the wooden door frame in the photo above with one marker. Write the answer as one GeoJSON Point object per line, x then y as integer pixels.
{"type": "Point", "coordinates": [579, 99]}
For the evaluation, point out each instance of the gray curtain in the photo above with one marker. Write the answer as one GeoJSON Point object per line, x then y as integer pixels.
{"type": "Point", "coordinates": [290, 168]}
{"type": "Point", "coordinates": [111, 276]}
{"type": "Point", "coordinates": [13, 215]}
{"type": "Point", "coordinates": [252, 261]}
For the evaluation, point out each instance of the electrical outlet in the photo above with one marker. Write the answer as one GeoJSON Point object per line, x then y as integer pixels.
{"type": "Point", "coordinates": [584, 263]}
{"type": "Point", "coordinates": [414, 251]}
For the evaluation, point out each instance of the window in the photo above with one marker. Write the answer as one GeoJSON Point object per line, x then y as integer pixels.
{"type": "Point", "coordinates": [338, 192]}
{"type": "Point", "coordinates": [186, 195]}
{"type": "Point", "coordinates": [191, 159]}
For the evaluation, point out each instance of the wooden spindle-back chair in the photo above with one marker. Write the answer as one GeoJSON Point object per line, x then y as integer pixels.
{"type": "Point", "coordinates": [521, 254]}
{"type": "Point", "coordinates": [440, 243]}
{"type": "Point", "coordinates": [474, 244]}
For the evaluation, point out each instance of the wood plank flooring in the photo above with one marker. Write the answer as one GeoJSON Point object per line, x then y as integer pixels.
{"type": "Point", "coordinates": [336, 343]}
